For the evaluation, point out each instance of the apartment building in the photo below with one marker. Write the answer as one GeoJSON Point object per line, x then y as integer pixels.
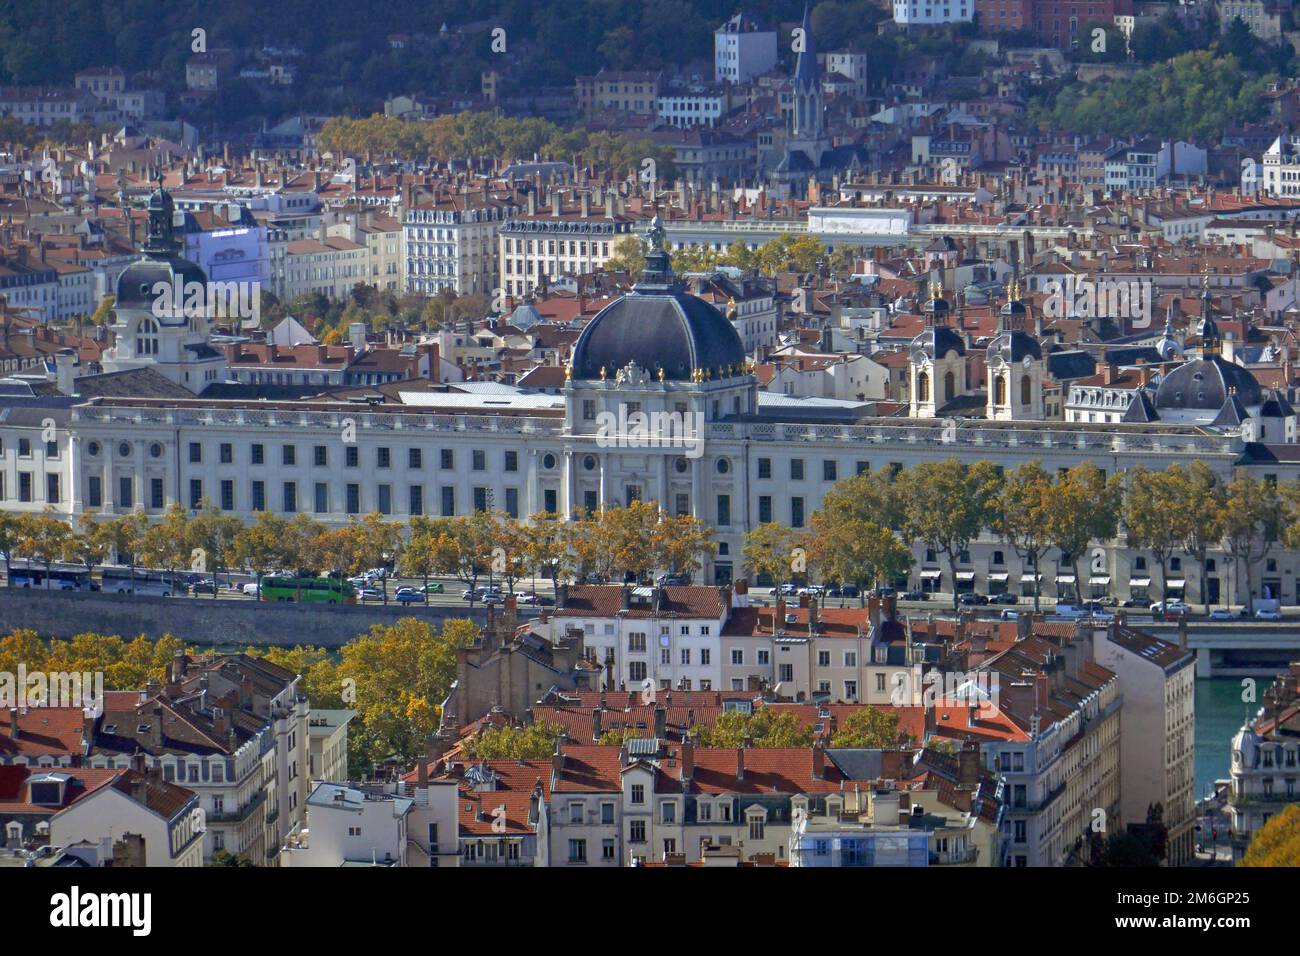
{"type": "Point", "coordinates": [450, 242]}
{"type": "Point", "coordinates": [812, 651]}
{"type": "Point", "coordinates": [163, 818]}
{"type": "Point", "coordinates": [662, 637]}
{"type": "Point", "coordinates": [1059, 753]}
{"type": "Point", "coordinates": [539, 245]}
{"type": "Point", "coordinates": [233, 729]}
{"type": "Point", "coordinates": [327, 745]}
{"type": "Point", "coordinates": [743, 48]}
{"type": "Point", "coordinates": [941, 810]}
{"type": "Point", "coordinates": [612, 91]}
{"type": "Point", "coordinates": [349, 826]}
{"type": "Point", "coordinates": [1157, 738]}
{"type": "Point", "coordinates": [1265, 769]}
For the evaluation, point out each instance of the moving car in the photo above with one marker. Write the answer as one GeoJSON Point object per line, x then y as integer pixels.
{"type": "Point", "coordinates": [433, 587]}
{"type": "Point", "coordinates": [1009, 615]}
{"type": "Point", "coordinates": [1004, 598]}
{"type": "Point", "coordinates": [970, 598]}
{"type": "Point", "coordinates": [1268, 614]}
{"type": "Point", "coordinates": [1223, 614]}
{"type": "Point", "coordinates": [370, 594]}
{"type": "Point", "coordinates": [1161, 606]}
{"type": "Point", "coordinates": [409, 596]}
{"type": "Point", "coordinates": [250, 589]}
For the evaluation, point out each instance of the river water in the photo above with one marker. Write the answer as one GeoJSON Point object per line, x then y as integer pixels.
{"type": "Point", "coordinates": [1220, 712]}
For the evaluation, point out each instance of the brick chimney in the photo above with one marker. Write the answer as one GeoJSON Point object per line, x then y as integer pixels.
{"type": "Point", "coordinates": [1040, 691]}
{"type": "Point", "coordinates": [968, 763]}
{"type": "Point", "coordinates": [688, 760]}
{"type": "Point", "coordinates": [740, 763]}
{"type": "Point", "coordinates": [818, 760]}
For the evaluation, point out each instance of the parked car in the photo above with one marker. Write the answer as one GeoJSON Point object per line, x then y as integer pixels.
{"type": "Point", "coordinates": [1132, 602]}
{"type": "Point", "coordinates": [1223, 614]}
{"type": "Point", "coordinates": [1071, 612]}
{"type": "Point", "coordinates": [1268, 614]}
{"type": "Point", "coordinates": [1005, 597]}
{"type": "Point", "coordinates": [1176, 612]}
{"type": "Point", "coordinates": [672, 579]}
{"type": "Point", "coordinates": [914, 596]}
{"type": "Point", "coordinates": [970, 598]}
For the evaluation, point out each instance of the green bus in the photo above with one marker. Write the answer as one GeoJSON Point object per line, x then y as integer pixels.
{"type": "Point", "coordinates": [307, 590]}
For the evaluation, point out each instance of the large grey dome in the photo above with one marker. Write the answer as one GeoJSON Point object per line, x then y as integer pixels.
{"type": "Point", "coordinates": [664, 328]}
{"type": "Point", "coordinates": [1203, 385]}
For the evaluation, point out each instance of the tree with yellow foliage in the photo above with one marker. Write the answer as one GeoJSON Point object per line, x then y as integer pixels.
{"type": "Point", "coordinates": [1277, 842]}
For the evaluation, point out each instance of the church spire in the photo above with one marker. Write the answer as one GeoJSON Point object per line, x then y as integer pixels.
{"type": "Point", "coordinates": [806, 74]}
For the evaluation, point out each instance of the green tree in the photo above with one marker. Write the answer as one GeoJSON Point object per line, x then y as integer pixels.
{"type": "Point", "coordinates": [1020, 517]}
{"type": "Point", "coordinates": [1082, 507]}
{"type": "Point", "coordinates": [1252, 524]}
{"type": "Point", "coordinates": [947, 503]}
{"type": "Point", "coordinates": [533, 742]}
{"type": "Point", "coordinates": [398, 676]}
{"type": "Point", "coordinates": [43, 538]}
{"type": "Point", "coordinates": [770, 553]}
{"type": "Point", "coordinates": [1201, 512]}
{"type": "Point", "coordinates": [763, 728]}
{"type": "Point", "coordinates": [875, 727]}
{"type": "Point", "coordinates": [1152, 514]}
{"type": "Point", "coordinates": [629, 257]}
{"type": "Point", "coordinates": [10, 539]}
{"type": "Point", "coordinates": [213, 538]}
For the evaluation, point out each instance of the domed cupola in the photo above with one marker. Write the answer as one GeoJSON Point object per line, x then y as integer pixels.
{"type": "Point", "coordinates": [939, 338]}
{"type": "Point", "coordinates": [138, 285]}
{"type": "Point", "coordinates": [660, 327]}
{"type": "Point", "coordinates": [1013, 344]}
{"type": "Point", "coordinates": [1202, 386]}
{"type": "Point", "coordinates": [1014, 361]}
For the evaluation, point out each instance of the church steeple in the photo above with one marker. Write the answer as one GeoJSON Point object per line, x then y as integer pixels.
{"type": "Point", "coordinates": [1211, 341]}
{"type": "Point", "coordinates": [807, 122]}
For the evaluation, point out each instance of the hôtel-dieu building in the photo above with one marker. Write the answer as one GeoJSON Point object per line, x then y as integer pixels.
{"type": "Point", "coordinates": [743, 457]}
